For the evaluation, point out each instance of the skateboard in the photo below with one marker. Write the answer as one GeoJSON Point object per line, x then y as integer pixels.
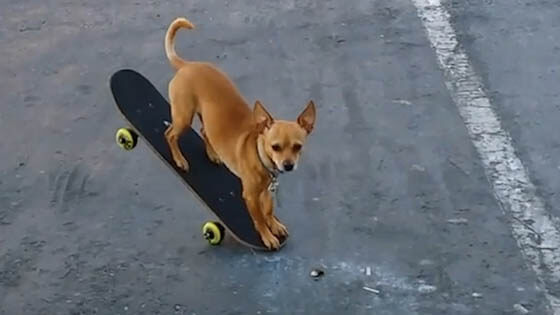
{"type": "Point", "coordinates": [148, 114]}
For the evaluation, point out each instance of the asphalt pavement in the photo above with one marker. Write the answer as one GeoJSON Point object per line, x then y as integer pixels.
{"type": "Point", "coordinates": [391, 199]}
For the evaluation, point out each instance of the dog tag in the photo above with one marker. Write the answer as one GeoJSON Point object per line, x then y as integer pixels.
{"type": "Point", "coordinates": [273, 185]}
{"type": "Point", "coordinates": [273, 188]}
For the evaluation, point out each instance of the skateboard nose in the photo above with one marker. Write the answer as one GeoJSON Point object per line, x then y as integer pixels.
{"type": "Point", "coordinates": [288, 166]}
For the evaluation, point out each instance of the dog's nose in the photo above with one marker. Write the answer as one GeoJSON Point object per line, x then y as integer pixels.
{"type": "Point", "coordinates": [288, 166]}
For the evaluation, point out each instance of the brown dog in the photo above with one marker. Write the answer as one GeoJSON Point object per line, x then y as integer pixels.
{"type": "Point", "coordinates": [252, 144]}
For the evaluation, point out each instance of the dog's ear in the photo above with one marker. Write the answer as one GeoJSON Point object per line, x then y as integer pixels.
{"type": "Point", "coordinates": [262, 118]}
{"type": "Point", "coordinates": [307, 118]}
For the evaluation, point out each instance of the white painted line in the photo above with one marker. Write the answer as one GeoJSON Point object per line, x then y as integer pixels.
{"type": "Point", "coordinates": [532, 227]}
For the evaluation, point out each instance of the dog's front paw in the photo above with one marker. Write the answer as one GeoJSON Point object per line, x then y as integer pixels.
{"type": "Point", "coordinates": [278, 228]}
{"type": "Point", "coordinates": [269, 240]}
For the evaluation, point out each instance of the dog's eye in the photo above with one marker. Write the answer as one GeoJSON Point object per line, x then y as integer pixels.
{"type": "Point", "coordinates": [297, 147]}
{"type": "Point", "coordinates": [276, 147]}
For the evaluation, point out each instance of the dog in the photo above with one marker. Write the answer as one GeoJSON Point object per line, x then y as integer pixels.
{"type": "Point", "coordinates": [251, 143]}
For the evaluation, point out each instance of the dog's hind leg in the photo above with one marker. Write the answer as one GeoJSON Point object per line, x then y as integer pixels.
{"type": "Point", "coordinates": [181, 119]}
{"type": "Point", "coordinates": [212, 155]}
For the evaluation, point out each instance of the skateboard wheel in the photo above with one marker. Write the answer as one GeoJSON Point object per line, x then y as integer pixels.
{"type": "Point", "coordinates": [213, 232]}
{"type": "Point", "coordinates": [126, 139]}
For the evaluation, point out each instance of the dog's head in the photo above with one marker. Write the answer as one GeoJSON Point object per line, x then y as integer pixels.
{"type": "Point", "coordinates": [283, 140]}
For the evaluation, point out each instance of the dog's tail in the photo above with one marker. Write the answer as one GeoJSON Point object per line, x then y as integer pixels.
{"type": "Point", "coordinates": [175, 60]}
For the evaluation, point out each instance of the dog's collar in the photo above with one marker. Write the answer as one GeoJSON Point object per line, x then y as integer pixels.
{"type": "Point", "coordinates": [273, 171]}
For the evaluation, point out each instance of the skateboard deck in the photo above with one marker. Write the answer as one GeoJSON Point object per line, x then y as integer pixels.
{"type": "Point", "coordinates": [148, 114]}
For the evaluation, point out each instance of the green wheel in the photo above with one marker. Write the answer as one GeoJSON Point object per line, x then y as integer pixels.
{"type": "Point", "coordinates": [126, 139]}
{"type": "Point", "coordinates": [213, 232]}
